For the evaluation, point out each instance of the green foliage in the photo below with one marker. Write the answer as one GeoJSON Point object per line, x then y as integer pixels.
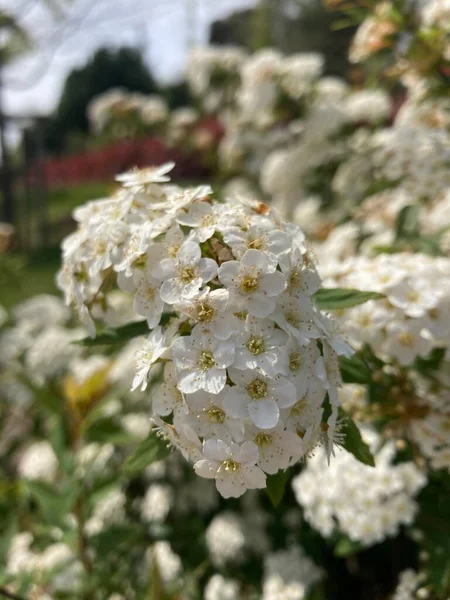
{"type": "Point", "coordinates": [434, 525]}
{"type": "Point", "coordinates": [410, 238]}
{"type": "Point", "coordinates": [346, 547]}
{"type": "Point", "coordinates": [276, 486]}
{"type": "Point", "coordinates": [353, 442]}
{"type": "Point", "coordinates": [54, 504]}
{"type": "Point", "coordinates": [120, 335]}
{"type": "Point", "coordinates": [116, 336]}
{"type": "Point", "coordinates": [23, 275]}
{"type": "Point", "coordinates": [105, 70]}
{"type": "Point", "coordinates": [341, 298]}
{"type": "Point", "coordinates": [355, 370]}
{"type": "Point", "coordinates": [108, 431]}
{"type": "Point", "coordinates": [148, 451]}
{"type": "Point", "coordinates": [407, 225]}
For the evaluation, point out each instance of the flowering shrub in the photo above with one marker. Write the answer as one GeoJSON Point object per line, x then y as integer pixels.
{"type": "Point", "coordinates": [301, 469]}
{"type": "Point", "coordinates": [121, 114]}
{"type": "Point", "coordinates": [227, 290]}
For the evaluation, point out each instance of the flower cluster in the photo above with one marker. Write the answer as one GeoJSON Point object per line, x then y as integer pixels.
{"type": "Point", "coordinates": [123, 113]}
{"type": "Point", "coordinates": [410, 586]}
{"type": "Point", "coordinates": [367, 504]}
{"type": "Point", "coordinates": [227, 290]}
{"type": "Point", "coordinates": [289, 574]}
{"type": "Point", "coordinates": [414, 317]}
{"type": "Point", "coordinates": [213, 73]}
{"type": "Point", "coordinates": [412, 36]}
{"type": "Point", "coordinates": [288, 125]}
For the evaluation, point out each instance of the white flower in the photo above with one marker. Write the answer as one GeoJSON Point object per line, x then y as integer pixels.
{"type": "Point", "coordinates": [405, 341]}
{"type": "Point", "coordinates": [233, 467]}
{"type": "Point", "coordinates": [169, 564]}
{"type": "Point", "coordinates": [294, 315]}
{"type": "Point", "coordinates": [365, 503]}
{"type": "Point", "coordinates": [202, 217]}
{"type": "Point", "coordinates": [219, 588]}
{"type": "Point", "coordinates": [258, 397]}
{"type": "Point", "coordinates": [156, 503]}
{"type": "Point", "coordinates": [38, 312]}
{"type": "Point", "coordinates": [209, 419]}
{"type": "Point", "coordinates": [228, 289]}
{"type": "Point", "coordinates": [147, 301]}
{"type": "Point", "coordinates": [301, 278]}
{"type": "Point", "coordinates": [38, 462]}
{"type": "Point", "coordinates": [364, 324]}
{"type": "Point", "coordinates": [139, 179]}
{"type": "Point", "coordinates": [136, 424]}
{"type": "Point", "coordinates": [253, 282]}
{"type": "Point", "coordinates": [261, 236]}
{"type": "Point", "coordinates": [183, 276]}
{"type": "Point", "coordinates": [167, 398]}
{"type": "Point", "coordinates": [258, 347]}
{"type": "Point", "coordinates": [408, 586]}
{"type": "Point", "coordinates": [183, 438]}
{"type": "Point", "coordinates": [202, 361]}
{"type": "Point", "coordinates": [208, 309]}
{"type": "Point", "coordinates": [226, 539]}
{"type": "Point", "coordinates": [413, 297]}
{"type": "Point", "coordinates": [182, 199]}
{"type": "Point", "coordinates": [300, 363]}
{"type": "Point", "coordinates": [288, 575]}
{"type": "Point", "coordinates": [152, 349]}
{"type": "Point", "coordinates": [109, 510]}
{"type": "Point", "coordinates": [276, 447]}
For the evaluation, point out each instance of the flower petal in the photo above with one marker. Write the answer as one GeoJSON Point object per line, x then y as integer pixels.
{"type": "Point", "coordinates": [264, 413]}
{"type": "Point", "coordinates": [235, 403]}
{"type": "Point", "coordinates": [206, 468]}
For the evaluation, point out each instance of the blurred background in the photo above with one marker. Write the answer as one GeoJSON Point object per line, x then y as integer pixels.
{"type": "Point", "coordinates": [337, 113]}
{"type": "Point", "coordinates": [57, 56]}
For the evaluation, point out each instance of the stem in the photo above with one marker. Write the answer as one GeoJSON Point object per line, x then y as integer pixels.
{"type": "Point", "coordinates": [78, 511]}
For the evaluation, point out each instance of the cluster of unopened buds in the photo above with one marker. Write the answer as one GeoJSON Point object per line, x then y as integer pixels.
{"type": "Point", "coordinates": [227, 290]}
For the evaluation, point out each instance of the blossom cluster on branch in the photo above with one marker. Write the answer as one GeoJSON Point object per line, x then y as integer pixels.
{"type": "Point", "coordinates": [227, 291]}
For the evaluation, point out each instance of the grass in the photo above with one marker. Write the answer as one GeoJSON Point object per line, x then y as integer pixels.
{"type": "Point", "coordinates": [23, 275]}
{"type": "Point", "coordinates": [62, 201]}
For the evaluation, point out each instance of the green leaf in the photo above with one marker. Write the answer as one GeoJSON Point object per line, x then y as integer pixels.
{"type": "Point", "coordinates": [108, 431]}
{"type": "Point", "coordinates": [339, 298]}
{"type": "Point", "coordinates": [122, 334]}
{"type": "Point", "coordinates": [407, 224]}
{"type": "Point", "coordinates": [156, 589]}
{"type": "Point", "coordinates": [150, 450]}
{"type": "Point", "coordinates": [434, 523]}
{"type": "Point", "coordinates": [7, 534]}
{"type": "Point", "coordinates": [54, 504]}
{"type": "Point", "coordinates": [355, 370]}
{"type": "Point", "coordinates": [346, 547]}
{"type": "Point", "coordinates": [116, 537]}
{"type": "Point", "coordinates": [276, 486]}
{"type": "Point", "coordinates": [117, 336]}
{"type": "Point", "coordinates": [353, 441]}
{"type": "Point", "coordinates": [317, 593]}
{"type": "Point", "coordinates": [45, 396]}
{"type": "Point", "coordinates": [432, 362]}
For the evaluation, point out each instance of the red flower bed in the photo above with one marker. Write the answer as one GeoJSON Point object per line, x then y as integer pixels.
{"type": "Point", "coordinates": [104, 164]}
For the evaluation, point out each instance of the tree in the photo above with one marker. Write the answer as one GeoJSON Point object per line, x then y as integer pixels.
{"type": "Point", "coordinates": [291, 26]}
{"type": "Point", "coordinates": [105, 70]}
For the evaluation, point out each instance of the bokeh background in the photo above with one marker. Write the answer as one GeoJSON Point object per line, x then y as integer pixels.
{"type": "Point", "coordinates": [337, 114]}
{"type": "Point", "coordinates": [57, 56]}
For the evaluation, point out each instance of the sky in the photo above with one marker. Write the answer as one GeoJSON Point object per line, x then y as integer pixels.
{"type": "Point", "coordinates": [163, 29]}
